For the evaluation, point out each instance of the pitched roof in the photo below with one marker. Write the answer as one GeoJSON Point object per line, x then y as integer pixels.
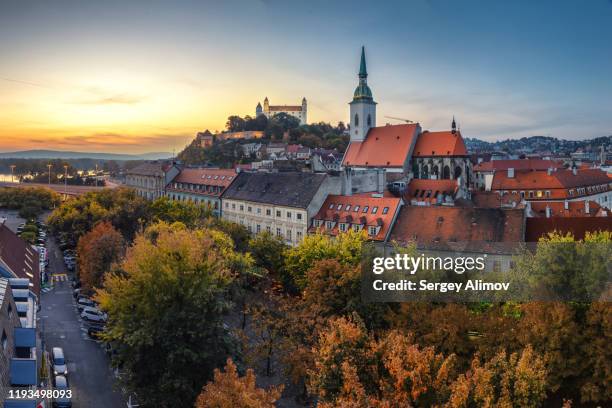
{"type": "Point", "coordinates": [558, 208]}
{"type": "Point", "coordinates": [384, 146]}
{"type": "Point", "coordinates": [358, 209]}
{"type": "Point", "coordinates": [210, 177]}
{"type": "Point", "coordinates": [149, 169]}
{"type": "Point", "coordinates": [286, 189]}
{"type": "Point", "coordinates": [521, 164]}
{"type": "Point", "coordinates": [19, 257]}
{"type": "Point", "coordinates": [445, 143]}
{"type": "Point", "coordinates": [470, 229]}
{"type": "Point", "coordinates": [428, 190]}
{"type": "Point", "coordinates": [560, 179]}
{"type": "Point", "coordinates": [578, 226]}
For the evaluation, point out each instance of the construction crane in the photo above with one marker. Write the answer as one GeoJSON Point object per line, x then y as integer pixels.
{"type": "Point", "coordinates": [402, 119]}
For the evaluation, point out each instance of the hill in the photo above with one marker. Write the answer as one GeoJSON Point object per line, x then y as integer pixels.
{"type": "Point", "coordinates": [60, 154]}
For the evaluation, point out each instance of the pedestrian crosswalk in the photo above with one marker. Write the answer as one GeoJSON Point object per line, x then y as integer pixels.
{"type": "Point", "coordinates": [46, 290]}
{"type": "Point", "coordinates": [60, 277]}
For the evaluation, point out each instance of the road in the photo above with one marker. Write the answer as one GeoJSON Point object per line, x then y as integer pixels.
{"type": "Point", "coordinates": [60, 188]}
{"type": "Point", "coordinates": [89, 374]}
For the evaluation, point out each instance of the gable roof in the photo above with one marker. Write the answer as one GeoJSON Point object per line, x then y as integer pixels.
{"type": "Point", "coordinates": [384, 146]}
{"type": "Point", "coordinates": [472, 229]}
{"type": "Point", "coordinates": [578, 226]}
{"type": "Point", "coordinates": [358, 209]}
{"type": "Point", "coordinates": [286, 189]}
{"type": "Point", "coordinates": [558, 208]}
{"type": "Point", "coordinates": [529, 180]}
{"type": "Point", "coordinates": [520, 164]}
{"type": "Point", "coordinates": [20, 258]}
{"type": "Point", "coordinates": [445, 143]}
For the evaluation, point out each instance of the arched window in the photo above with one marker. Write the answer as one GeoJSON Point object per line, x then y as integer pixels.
{"type": "Point", "coordinates": [369, 120]}
{"type": "Point", "coordinates": [446, 173]}
{"type": "Point", "coordinates": [457, 172]}
{"type": "Point", "coordinates": [434, 171]}
{"type": "Point", "coordinates": [356, 120]}
{"type": "Point", "coordinates": [425, 172]}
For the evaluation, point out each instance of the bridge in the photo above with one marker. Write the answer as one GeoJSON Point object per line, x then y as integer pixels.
{"type": "Point", "coordinates": [60, 188]}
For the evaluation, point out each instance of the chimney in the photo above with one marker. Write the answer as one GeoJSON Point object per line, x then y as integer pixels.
{"type": "Point", "coordinates": [587, 209]}
{"type": "Point", "coordinates": [510, 172]}
{"type": "Point", "coordinates": [380, 182]}
{"type": "Point", "coordinates": [566, 205]}
{"type": "Point", "coordinates": [347, 182]}
{"type": "Point", "coordinates": [549, 171]}
{"type": "Point", "coordinates": [547, 211]}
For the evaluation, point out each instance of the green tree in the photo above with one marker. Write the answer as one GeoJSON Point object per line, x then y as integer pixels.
{"type": "Point", "coordinates": [235, 123]}
{"type": "Point", "coordinates": [268, 252]}
{"type": "Point", "coordinates": [190, 214]}
{"type": "Point", "coordinates": [165, 306]}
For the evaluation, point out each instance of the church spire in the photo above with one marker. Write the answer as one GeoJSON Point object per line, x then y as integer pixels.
{"type": "Point", "coordinates": [454, 125]}
{"type": "Point", "coordinates": [363, 73]}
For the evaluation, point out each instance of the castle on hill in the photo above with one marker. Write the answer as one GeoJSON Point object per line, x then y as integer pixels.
{"type": "Point", "coordinates": [297, 111]}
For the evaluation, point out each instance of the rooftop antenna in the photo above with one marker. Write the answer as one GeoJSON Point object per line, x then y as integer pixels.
{"type": "Point", "coordinates": [402, 119]}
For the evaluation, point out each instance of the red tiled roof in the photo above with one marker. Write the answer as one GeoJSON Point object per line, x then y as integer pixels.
{"type": "Point", "coordinates": [20, 258]}
{"type": "Point", "coordinates": [557, 208]}
{"type": "Point", "coordinates": [428, 190]}
{"type": "Point", "coordinates": [335, 209]}
{"type": "Point", "coordinates": [492, 199]}
{"type": "Point", "coordinates": [471, 228]}
{"type": "Point", "coordinates": [444, 143]}
{"type": "Point", "coordinates": [204, 177]}
{"type": "Point", "coordinates": [578, 226]}
{"type": "Point", "coordinates": [384, 146]}
{"type": "Point", "coordinates": [293, 148]}
{"type": "Point", "coordinates": [521, 164]}
{"type": "Point", "coordinates": [560, 179]}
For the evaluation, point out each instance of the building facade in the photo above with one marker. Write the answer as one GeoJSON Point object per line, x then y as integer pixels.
{"type": "Point", "coordinates": [150, 179]}
{"type": "Point", "coordinates": [8, 322]}
{"type": "Point", "coordinates": [282, 204]}
{"type": "Point", "coordinates": [297, 111]}
{"type": "Point", "coordinates": [201, 186]}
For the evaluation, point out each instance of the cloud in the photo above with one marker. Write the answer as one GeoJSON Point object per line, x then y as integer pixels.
{"type": "Point", "coordinates": [117, 99]}
{"type": "Point", "coordinates": [30, 83]}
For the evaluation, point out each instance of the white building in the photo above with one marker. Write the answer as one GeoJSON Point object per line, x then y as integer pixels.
{"type": "Point", "coordinates": [297, 111]}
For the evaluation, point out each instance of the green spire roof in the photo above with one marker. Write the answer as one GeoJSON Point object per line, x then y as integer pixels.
{"type": "Point", "coordinates": [362, 92]}
{"type": "Point", "coordinates": [363, 73]}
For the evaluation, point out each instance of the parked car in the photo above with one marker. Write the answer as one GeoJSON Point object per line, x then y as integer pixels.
{"type": "Point", "coordinates": [76, 293]}
{"type": "Point", "coordinates": [92, 314]}
{"type": "Point", "coordinates": [83, 302]}
{"type": "Point", "coordinates": [94, 330]}
{"type": "Point", "coordinates": [61, 384]}
{"type": "Point", "coordinates": [59, 362]}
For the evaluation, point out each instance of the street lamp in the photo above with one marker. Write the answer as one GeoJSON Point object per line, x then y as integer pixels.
{"type": "Point", "coordinates": [65, 181]}
{"type": "Point", "coordinates": [96, 175]}
{"type": "Point", "coordinates": [49, 166]}
{"type": "Point", "coordinates": [12, 166]}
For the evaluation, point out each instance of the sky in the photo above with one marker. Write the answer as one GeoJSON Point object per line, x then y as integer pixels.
{"type": "Point", "coordinates": [145, 76]}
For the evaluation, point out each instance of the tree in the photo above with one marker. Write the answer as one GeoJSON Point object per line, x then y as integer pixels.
{"type": "Point", "coordinates": [166, 304]}
{"type": "Point", "coordinates": [186, 212]}
{"type": "Point", "coordinates": [29, 201]}
{"type": "Point", "coordinates": [346, 248]}
{"type": "Point", "coordinates": [597, 379]}
{"type": "Point", "coordinates": [268, 251]}
{"type": "Point", "coordinates": [229, 390]}
{"type": "Point", "coordinates": [97, 251]}
{"type": "Point", "coordinates": [235, 123]}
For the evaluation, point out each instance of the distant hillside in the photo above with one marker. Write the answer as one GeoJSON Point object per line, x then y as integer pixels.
{"type": "Point", "coordinates": [58, 154]}
{"type": "Point", "coordinates": [538, 144]}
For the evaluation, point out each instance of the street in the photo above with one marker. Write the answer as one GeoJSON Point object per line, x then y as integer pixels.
{"type": "Point", "coordinates": [89, 373]}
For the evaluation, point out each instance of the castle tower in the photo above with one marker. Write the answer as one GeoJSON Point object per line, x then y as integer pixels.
{"type": "Point", "coordinates": [304, 110]}
{"type": "Point", "coordinates": [266, 107]}
{"type": "Point", "coordinates": [258, 110]}
{"type": "Point", "coordinates": [362, 107]}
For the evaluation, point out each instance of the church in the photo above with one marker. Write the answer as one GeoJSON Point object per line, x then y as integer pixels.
{"type": "Point", "coordinates": [404, 152]}
{"type": "Point", "coordinates": [297, 111]}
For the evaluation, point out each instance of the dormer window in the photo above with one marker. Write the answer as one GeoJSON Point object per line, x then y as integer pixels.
{"type": "Point", "coordinates": [374, 210]}
{"type": "Point", "coordinates": [347, 208]}
{"type": "Point", "coordinates": [372, 231]}
{"type": "Point", "coordinates": [385, 210]}
{"type": "Point", "coordinates": [365, 209]}
{"type": "Point", "coordinates": [356, 208]}
{"type": "Point", "coordinates": [342, 226]}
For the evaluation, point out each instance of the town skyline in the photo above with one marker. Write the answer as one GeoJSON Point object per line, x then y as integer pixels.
{"type": "Point", "coordinates": [157, 77]}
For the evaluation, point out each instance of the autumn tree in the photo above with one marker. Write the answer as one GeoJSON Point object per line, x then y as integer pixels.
{"type": "Point", "coordinates": [166, 304]}
{"type": "Point", "coordinates": [97, 250]}
{"type": "Point", "coordinates": [268, 252]}
{"type": "Point", "coordinates": [597, 379]}
{"type": "Point", "coordinates": [190, 214]}
{"type": "Point", "coordinates": [229, 390]}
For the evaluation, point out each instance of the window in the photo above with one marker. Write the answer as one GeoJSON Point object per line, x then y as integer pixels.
{"type": "Point", "coordinates": [299, 235]}
{"type": "Point", "coordinates": [356, 227]}
{"type": "Point", "coordinates": [329, 224]}
{"type": "Point", "coordinates": [268, 229]}
{"type": "Point", "coordinates": [249, 228]}
{"type": "Point", "coordinates": [331, 206]}
{"type": "Point", "coordinates": [385, 210]}
{"type": "Point", "coordinates": [339, 207]}
{"type": "Point", "coordinates": [342, 227]}
{"type": "Point", "coordinates": [10, 311]}
{"type": "Point", "coordinates": [369, 120]}
{"type": "Point", "coordinates": [356, 120]}
{"type": "Point", "coordinates": [298, 216]}
{"type": "Point", "coordinates": [347, 208]}
{"type": "Point", "coordinates": [522, 194]}
{"type": "Point", "coordinates": [356, 208]}
{"type": "Point", "coordinates": [372, 230]}
{"type": "Point", "coordinates": [249, 208]}
{"type": "Point", "coordinates": [278, 232]}
{"type": "Point", "coordinates": [278, 213]}
{"type": "Point", "coordinates": [365, 209]}
{"type": "Point", "coordinates": [241, 207]}
{"type": "Point", "coordinates": [374, 210]}
{"type": "Point", "coordinates": [289, 234]}
{"type": "Point", "coordinates": [531, 194]}
{"type": "Point", "coordinates": [288, 214]}
{"type": "Point", "coordinates": [226, 205]}
{"type": "Point", "coordinates": [258, 228]}
{"type": "Point", "coordinates": [233, 206]}
{"type": "Point", "coordinates": [547, 193]}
